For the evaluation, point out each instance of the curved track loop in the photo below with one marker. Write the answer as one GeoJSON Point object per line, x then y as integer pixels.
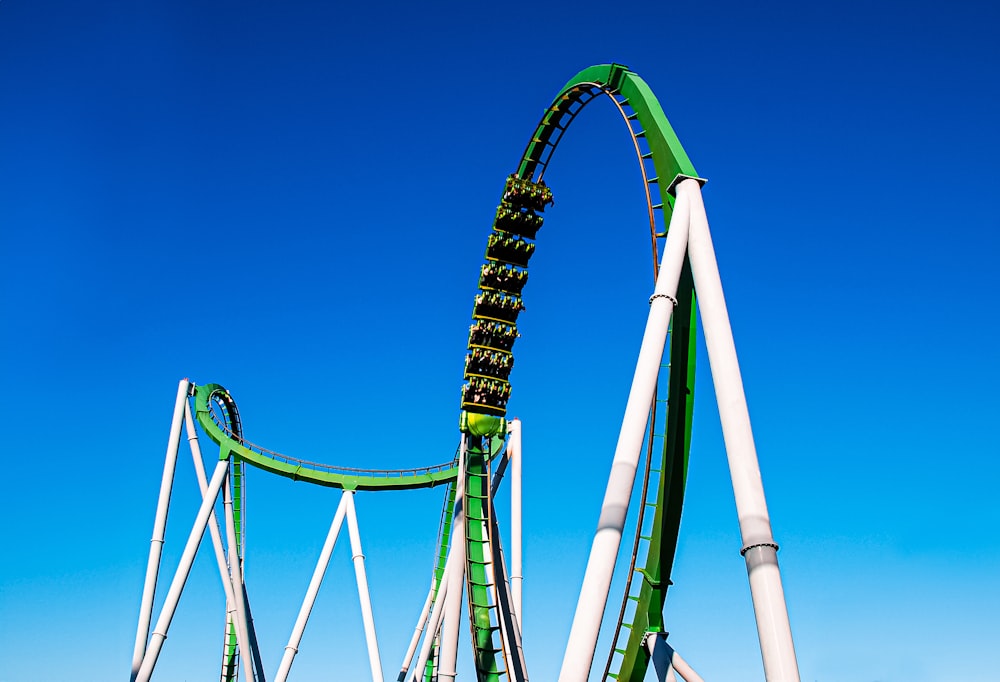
{"type": "Point", "coordinates": [231, 442]}
{"type": "Point", "coordinates": [661, 159]}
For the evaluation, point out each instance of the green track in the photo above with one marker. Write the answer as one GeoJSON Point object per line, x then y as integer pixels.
{"type": "Point", "coordinates": [657, 145]}
{"type": "Point", "coordinates": [483, 409]}
{"type": "Point", "coordinates": [345, 478]}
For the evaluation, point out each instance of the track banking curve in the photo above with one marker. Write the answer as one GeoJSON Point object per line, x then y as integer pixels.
{"type": "Point", "coordinates": [490, 358]}
{"type": "Point", "coordinates": [211, 399]}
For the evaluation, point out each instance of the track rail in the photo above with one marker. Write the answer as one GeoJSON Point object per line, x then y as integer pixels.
{"type": "Point", "coordinates": [659, 155]}
{"type": "Point", "coordinates": [230, 421]}
{"type": "Point", "coordinates": [231, 442]}
{"type": "Point", "coordinates": [660, 158]}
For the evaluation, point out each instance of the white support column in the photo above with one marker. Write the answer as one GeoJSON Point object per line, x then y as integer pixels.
{"type": "Point", "coordinates": [759, 548]}
{"type": "Point", "coordinates": [232, 603]}
{"type": "Point", "coordinates": [437, 614]}
{"type": "Point", "coordinates": [660, 657]}
{"type": "Point", "coordinates": [683, 669]}
{"type": "Point", "coordinates": [181, 575]}
{"type": "Point", "coordinates": [586, 626]}
{"type": "Point", "coordinates": [159, 529]}
{"type": "Point", "coordinates": [358, 557]}
{"type": "Point", "coordinates": [448, 658]}
{"type": "Point", "coordinates": [317, 579]}
{"type": "Point", "coordinates": [236, 578]}
{"type": "Point", "coordinates": [666, 660]}
{"type": "Point", "coordinates": [417, 631]}
{"type": "Point", "coordinates": [516, 570]}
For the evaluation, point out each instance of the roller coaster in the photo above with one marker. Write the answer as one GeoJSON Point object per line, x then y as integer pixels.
{"type": "Point", "coordinates": [470, 562]}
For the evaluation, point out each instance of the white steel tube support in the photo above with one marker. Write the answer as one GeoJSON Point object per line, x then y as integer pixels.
{"type": "Point", "coordinates": [232, 603]}
{"type": "Point", "coordinates": [666, 660]}
{"type": "Point", "coordinates": [516, 569]}
{"type": "Point", "coordinates": [181, 575]}
{"type": "Point", "coordinates": [433, 627]}
{"type": "Point", "coordinates": [451, 565]}
{"type": "Point", "coordinates": [417, 631]}
{"type": "Point", "coordinates": [759, 548]}
{"type": "Point", "coordinates": [317, 579]}
{"type": "Point", "coordinates": [683, 669]}
{"type": "Point", "coordinates": [236, 578]}
{"type": "Point", "coordinates": [159, 528]}
{"type": "Point", "coordinates": [448, 657]}
{"type": "Point", "coordinates": [367, 618]}
{"type": "Point", "coordinates": [660, 657]}
{"type": "Point", "coordinates": [586, 626]}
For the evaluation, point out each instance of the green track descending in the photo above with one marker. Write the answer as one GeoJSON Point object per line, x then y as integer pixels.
{"type": "Point", "coordinates": [484, 619]}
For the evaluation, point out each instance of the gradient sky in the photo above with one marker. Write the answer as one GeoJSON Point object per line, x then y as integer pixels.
{"type": "Point", "coordinates": [292, 199]}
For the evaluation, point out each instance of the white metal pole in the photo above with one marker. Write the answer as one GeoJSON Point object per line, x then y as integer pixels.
{"type": "Point", "coordinates": [759, 548]}
{"type": "Point", "coordinates": [312, 591]}
{"type": "Point", "coordinates": [434, 623]}
{"type": "Point", "coordinates": [516, 571]}
{"type": "Point", "coordinates": [683, 669]}
{"type": "Point", "coordinates": [181, 575]}
{"type": "Point", "coordinates": [417, 631]}
{"type": "Point", "coordinates": [451, 565]}
{"type": "Point", "coordinates": [367, 618]}
{"type": "Point", "coordinates": [448, 658]}
{"type": "Point", "coordinates": [236, 578]}
{"type": "Point", "coordinates": [659, 654]}
{"type": "Point", "coordinates": [232, 603]}
{"type": "Point", "coordinates": [586, 626]}
{"type": "Point", "coordinates": [159, 528]}
{"type": "Point", "coordinates": [666, 660]}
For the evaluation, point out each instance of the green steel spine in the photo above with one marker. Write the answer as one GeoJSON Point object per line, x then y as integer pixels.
{"type": "Point", "coordinates": [310, 472]}
{"type": "Point", "coordinates": [669, 160]}
{"type": "Point", "coordinates": [484, 621]}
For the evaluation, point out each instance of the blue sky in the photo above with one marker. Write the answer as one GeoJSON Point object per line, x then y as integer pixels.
{"type": "Point", "coordinates": [292, 199]}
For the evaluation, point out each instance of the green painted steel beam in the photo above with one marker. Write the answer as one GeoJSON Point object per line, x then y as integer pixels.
{"type": "Point", "coordinates": [306, 471]}
{"type": "Point", "coordinates": [479, 589]}
{"type": "Point", "coordinates": [669, 160]}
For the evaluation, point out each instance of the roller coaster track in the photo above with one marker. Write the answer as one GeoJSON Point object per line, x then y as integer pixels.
{"type": "Point", "coordinates": [489, 361]}
{"type": "Point", "coordinates": [230, 422]}
{"type": "Point", "coordinates": [659, 155]}
{"type": "Point", "coordinates": [214, 404]}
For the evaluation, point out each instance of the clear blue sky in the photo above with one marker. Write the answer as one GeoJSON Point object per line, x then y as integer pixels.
{"type": "Point", "coordinates": [292, 199]}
